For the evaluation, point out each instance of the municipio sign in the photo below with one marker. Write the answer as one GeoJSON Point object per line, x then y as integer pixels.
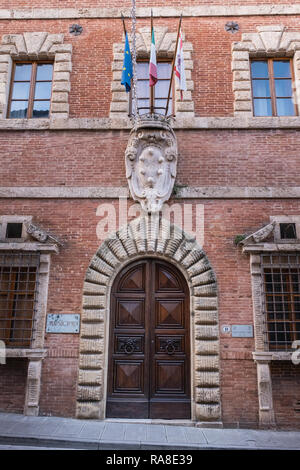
{"type": "Point", "coordinates": [63, 323]}
{"type": "Point", "coordinates": [242, 331]}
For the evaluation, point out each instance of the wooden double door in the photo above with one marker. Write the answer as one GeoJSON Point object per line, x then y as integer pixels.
{"type": "Point", "coordinates": [149, 351]}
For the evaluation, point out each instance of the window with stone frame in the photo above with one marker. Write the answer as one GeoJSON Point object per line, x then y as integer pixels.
{"type": "Point", "coordinates": [31, 89]}
{"type": "Point", "coordinates": [281, 299]}
{"type": "Point", "coordinates": [29, 94]}
{"type": "Point", "coordinates": [165, 42]}
{"type": "Point", "coordinates": [160, 90]}
{"type": "Point", "coordinates": [271, 44]}
{"type": "Point", "coordinates": [272, 87]}
{"type": "Point", "coordinates": [18, 297]}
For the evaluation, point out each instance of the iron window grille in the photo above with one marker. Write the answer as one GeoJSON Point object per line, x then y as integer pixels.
{"type": "Point", "coordinates": [19, 273]}
{"type": "Point", "coordinates": [281, 299]}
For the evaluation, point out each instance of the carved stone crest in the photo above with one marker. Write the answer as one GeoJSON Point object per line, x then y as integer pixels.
{"type": "Point", "coordinates": [151, 162]}
{"type": "Point", "coordinates": [41, 235]}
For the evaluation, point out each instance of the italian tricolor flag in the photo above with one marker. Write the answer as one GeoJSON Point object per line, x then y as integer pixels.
{"type": "Point", "coordinates": [152, 65]}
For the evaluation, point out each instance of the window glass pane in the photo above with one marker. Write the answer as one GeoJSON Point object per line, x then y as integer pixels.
{"type": "Point", "coordinates": [142, 70]}
{"type": "Point", "coordinates": [285, 107]}
{"type": "Point", "coordinates": [41, 109]}
{"type": "Point", "coordinates": [18, 109]}
{"type": "Point", "coordinates": [22, 72]}
{"type": "Point", "coordinates": [282, 68]}
{"type": "Point", "coordinates": [262, 107]}
{"type": "Point", "coordinates": [162, 89]}
{"type": "Point", "coordinates": [283, 87]}
{"type": "Point", "coordinates": [164, 70]}
{"type": "Point", "coordinates": [44, 72]}
{"type": "Point", "coordinates": [143, 104]}
{"type": "Point", "coordinates": [43, 90]}
{"type": "Point", "coordinates": [261, 88]}
{"type": "Point", "coordinates": [162, 104]}
{"type": "Point", "coordinates": [21, 91]}
{"type": "Point", "coordinates": [143, 89]}
{"type": "Point", "coordinates": [259, 69]}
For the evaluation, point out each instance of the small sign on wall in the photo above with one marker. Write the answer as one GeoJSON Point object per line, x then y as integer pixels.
{"type": "Point", "coordinates": [63, 323]}
{"type": "Point", "coordinates": [242, 331]}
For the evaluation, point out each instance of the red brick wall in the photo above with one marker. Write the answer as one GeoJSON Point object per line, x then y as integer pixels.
{"type": "Point", "coordinates": [208, 157]}
{"type": "Point", "coordinates": [91, 75]}
{"type": "Point", "coordinates": [286, 392]}
{"type": "Point", "coordinates": [75, 222]}
{"type": "Point", "coordinates": [239, 393]}
{"type": "Point", "coordinates": [13, 376]}
{"type": "Point", "coordinates": [19, 4]}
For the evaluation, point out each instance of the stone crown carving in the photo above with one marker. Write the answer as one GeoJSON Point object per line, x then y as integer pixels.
{"type": "Point", "coordinates": [151, 162]}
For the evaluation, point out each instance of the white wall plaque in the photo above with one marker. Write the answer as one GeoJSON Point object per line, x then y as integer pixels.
{"type": "Point", "coordinates": [242, 331]}
{"type": "Point", "coordinates": [63, 323]}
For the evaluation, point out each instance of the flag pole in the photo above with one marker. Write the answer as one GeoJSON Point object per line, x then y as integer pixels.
{"type": "Point", "coordinates": [173, 64]}
{"type": "Point", "coordinates": [124, 27]}
{"type": "Point", "coordinates": [151, 87]}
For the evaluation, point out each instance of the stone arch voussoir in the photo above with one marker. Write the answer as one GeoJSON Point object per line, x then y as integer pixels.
{"type": "Point", "coordinates": [150, 237]}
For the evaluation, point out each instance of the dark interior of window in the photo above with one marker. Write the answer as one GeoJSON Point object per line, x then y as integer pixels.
{"type": "Point", "coordinates": [281, 288]}
{"type": "Point", "coordinates": [288, 231]}
{"type": "Point", "coordinates": [14, 230]}
{"type": "Point", "coordinates": [18, 291]}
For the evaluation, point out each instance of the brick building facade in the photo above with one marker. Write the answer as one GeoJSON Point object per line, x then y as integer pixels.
{"type": "Point", "coordinates": [237, 172]}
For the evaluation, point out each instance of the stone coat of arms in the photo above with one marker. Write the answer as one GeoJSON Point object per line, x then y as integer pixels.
{"type": "Point", "coordinates": [151, 162]}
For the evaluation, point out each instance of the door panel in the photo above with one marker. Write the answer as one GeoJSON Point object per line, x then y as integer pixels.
{"type": "Point", "coordinates": [149, 363]}
{"type": "Point", "coordinates": [130, 314]}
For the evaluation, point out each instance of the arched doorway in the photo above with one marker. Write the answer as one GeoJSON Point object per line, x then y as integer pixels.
{"type": "Point", "coordinates": [143, 238]}
{"type": "Point", "coordinates": [149, 343]}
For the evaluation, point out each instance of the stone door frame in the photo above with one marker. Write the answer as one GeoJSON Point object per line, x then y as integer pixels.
{"type": "Point", "coordinates": [146, 237]}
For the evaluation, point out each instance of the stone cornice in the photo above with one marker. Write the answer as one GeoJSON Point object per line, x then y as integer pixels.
{"type": "Point", "coordinates": [107, 192]}
{"type": "Point", "coordinates": [108, 124]}
{"type": "Point", "coordinates": [31, 354]}
{"type": "Point", "coordinates": [267, 356]}
{"type": "Point", "coordinates": [271, 247]}
{"type": "Point", "coordinates": [195, 11]}
{"type": "Point", "coordinates": [27, 246]}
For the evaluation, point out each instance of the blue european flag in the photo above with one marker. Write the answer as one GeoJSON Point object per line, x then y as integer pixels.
{"type": "Point", "coordinates": [127, 67]}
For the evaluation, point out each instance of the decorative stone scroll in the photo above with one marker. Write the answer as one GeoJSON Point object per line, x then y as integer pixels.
{"type": "Point", "coordinates": [41, 235]}
{"type": "Point", "coordinates": [268, 41]}
{"type": "Point", "coordinates": [165, 43]}
{"type": "Point", "coordinates": [151, 161]}
{"type": "Point", "coordinates": [150, 237]}
{"type": "Point", "coordinates": [260, 235]}
{"type": "Point", "coordinates": [38, 46]}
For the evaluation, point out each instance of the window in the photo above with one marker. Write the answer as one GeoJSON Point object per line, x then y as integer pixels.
{"type": "Point", "coordinates": [288, 231]}
{"type": "Point", "coordinates": [31, 89]}
{"type": "Point", "coordinates": [14, 230]}
{"type": "Point", "coordinates": [281, 299]}
{"type": "Point", "coordinates": [160, 90]}
{"type": "Point", "coordinates": [272, 87]}
{"type": "Point", "coordinates": [18, 291]}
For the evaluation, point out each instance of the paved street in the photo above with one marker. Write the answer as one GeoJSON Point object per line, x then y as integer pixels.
{"type": "Point", "coordinates": [51, 432]}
